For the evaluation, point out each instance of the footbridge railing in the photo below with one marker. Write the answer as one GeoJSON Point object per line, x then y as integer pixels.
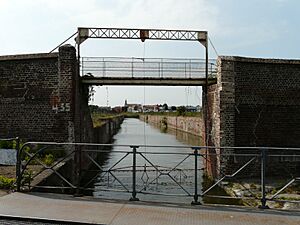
{"type": "Point", "coordinates": [146, 67]}
{"type": "Point", "coordinates": [252, 175]}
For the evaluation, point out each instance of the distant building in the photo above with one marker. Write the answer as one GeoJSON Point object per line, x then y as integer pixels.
{"type": "Point", "coordinates": [150, 108]}
{"type": "Point", "coordinates": [190, 108]}
{"type": "Point", "coordinates": [134, 108]}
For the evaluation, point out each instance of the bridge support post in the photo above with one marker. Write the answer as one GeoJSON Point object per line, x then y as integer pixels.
{"type": "Point", "coordinates": [195, 201]}
{"type": "Point", "coordinates": [134, 198]}
{"type": "Point", "coordinates": [263, 180]}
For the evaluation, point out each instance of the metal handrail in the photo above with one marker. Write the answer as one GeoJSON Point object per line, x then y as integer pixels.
{"type": "Point", "coordinates": [146, 67]}
{"type": "Point", "coordinates": [261, 153]}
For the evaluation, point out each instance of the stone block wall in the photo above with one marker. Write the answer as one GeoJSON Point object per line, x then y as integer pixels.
{"type": "Point", "coordinates": [191, 125]}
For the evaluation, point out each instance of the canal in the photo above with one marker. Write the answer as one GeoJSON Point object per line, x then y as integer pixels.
{"type": "Point", "coordinates": [163, 173]}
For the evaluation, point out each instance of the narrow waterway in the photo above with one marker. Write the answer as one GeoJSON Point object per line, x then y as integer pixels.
{"type": "Point", "coordinates": [163, 173]}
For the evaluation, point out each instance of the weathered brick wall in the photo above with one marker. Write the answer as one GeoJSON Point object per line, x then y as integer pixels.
{"type": "Point", "coordinates": [37, 96]}
{"type": "Point", "coordinates": [256, 102]}
{"type": "Point", "coordinates": [267, 101]}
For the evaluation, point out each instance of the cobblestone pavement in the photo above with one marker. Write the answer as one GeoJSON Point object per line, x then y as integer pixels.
{"type": "Point", "coordinates": [87, 210]}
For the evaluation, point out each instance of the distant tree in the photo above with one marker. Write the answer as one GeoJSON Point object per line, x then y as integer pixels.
{"type": "Point", "coordinates": [181, 111]}
{"type": "Point", "coordinates": [165, 106]}
{"type": "Point", "coordinates": [173, 108]}
{"type": "Point", "coordinates": [94, 108]}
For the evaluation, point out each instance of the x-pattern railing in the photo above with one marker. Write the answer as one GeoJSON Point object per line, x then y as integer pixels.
{"type": "Point", "coordinates": [124, 33]}
{"type": "Point", "coordinates": [259, 157]}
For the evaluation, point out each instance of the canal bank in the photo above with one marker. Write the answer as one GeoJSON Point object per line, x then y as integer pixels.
{"type": "Point", "coordinates": [164, 174]}
{"type": "Point", "coordinates": [190, 125]}
{"type": "Point", "coordinates": [102, 134]}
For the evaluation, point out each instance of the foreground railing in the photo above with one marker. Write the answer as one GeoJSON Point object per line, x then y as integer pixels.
{"type": "Point", "coordinates": [171, 171]}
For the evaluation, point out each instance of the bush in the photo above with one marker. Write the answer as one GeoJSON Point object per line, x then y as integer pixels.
{"type": "Point", "coordinates": [27, 177]}
{"type": "Point", "coordinates": [6, 183]}
{"type": "Point", "coordinates": [6, 144]}
{"type": "Point", "coordinates": [49, 159]}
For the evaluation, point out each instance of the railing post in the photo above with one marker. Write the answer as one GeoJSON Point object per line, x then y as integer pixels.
{"type": "Point", "coordinates": [195, 201]}
{"type": "Point", "coordinates": [132, 68]}
{"type": "Point", "coordinates": [18, 166]}
{"type": "Point", "coordinates": [263, 179]}
{"type": "Point", "coordinates": [78, 168]}
{"type": "Point", "coordinates": [134, 198]}
{"type": "Point", "coordinates": [162, 68]}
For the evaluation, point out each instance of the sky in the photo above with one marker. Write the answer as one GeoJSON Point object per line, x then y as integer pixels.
{"type": "Point", "coordinates": [253, 28]}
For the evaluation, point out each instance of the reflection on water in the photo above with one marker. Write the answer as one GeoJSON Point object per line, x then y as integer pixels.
{"type": "Point", "coordinates": [158, 171]}
{"type": "Point", "coordinates": [184, 137]}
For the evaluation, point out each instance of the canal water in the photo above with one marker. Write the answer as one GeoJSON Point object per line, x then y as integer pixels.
{"type": "Point", "coordinates": [164, 174]}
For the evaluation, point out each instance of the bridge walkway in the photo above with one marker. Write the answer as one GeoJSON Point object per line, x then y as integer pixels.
{"type": "Point", "coordinates": [70, 210]}
{"type": "Point", "coordinates": [147, 71]}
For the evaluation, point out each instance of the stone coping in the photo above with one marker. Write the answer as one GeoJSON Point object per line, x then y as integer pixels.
{"type": "Point", "coordinates": [28, 56]}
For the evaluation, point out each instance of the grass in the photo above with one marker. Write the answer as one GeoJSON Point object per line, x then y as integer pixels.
{"type": "Point", "coordinates": [186, 114]}
{"type": "Point", "coordinates": [218, 191]}
{"type": "Point", "coordinates": [100, 118]}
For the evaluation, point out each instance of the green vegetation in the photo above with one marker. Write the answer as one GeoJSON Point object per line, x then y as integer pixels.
{"type": "Point", "coordinates": [187, 114]}
{"type": "Point", "coordinates": [7, 183]}
{"type": "Point", "coordinates": [47, 156]}
{"type": "Point", "coordinates": [49, 159]}
{"type": "Point", "coordinates": [27, 177]}
{"type": "Point", "coordinates": [8, 144]}
{"type": "Point", "coordinates": [217, 191]}
{"type": "Point", "coordinates": [100, 118]}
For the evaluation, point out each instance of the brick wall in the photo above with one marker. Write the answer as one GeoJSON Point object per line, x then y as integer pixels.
{"type": "Point", "coordinates": [37, 96]}
{"type": "Point", "coordinates": [256, 102]}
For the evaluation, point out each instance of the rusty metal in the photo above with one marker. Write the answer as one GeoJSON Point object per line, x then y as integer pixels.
{"type": "Point", "coordinates": [142, 34]}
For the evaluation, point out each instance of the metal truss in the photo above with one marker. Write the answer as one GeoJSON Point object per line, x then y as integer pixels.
{"type": "Point", "coordinates": [143, 34]}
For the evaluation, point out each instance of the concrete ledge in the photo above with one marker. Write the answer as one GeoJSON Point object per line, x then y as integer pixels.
{"type": "Point", "coordinates": [28, 56]}
{"type": "Point", "coordinates": [259, 60]}
{"type": "Point", "coordinates": [146, 81]}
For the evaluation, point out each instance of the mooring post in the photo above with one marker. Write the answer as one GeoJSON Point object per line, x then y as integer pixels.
{"type": "Point", "coordinates": [134, 198]}
{"type": "Point", "coordinates": [196, 202]}
{"type": "Point", "coordinates": [18, 165]}
{"type": "Point", "coordinates": [263, 179]}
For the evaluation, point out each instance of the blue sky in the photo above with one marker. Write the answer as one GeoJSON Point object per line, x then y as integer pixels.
{"type": "Point", "coordinates": [265, 28]}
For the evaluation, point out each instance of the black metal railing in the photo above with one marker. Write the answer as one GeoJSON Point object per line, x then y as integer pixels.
{"type": "Point", "coordinates": [146, 67]}
{"type": "Point", "coordinates": [142, 170]}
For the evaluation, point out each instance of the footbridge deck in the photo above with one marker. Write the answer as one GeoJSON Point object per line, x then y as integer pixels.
{"type": "Point", "coordinates": [147, 71]}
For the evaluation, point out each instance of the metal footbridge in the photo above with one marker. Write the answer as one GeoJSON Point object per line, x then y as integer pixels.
{"type": "Point", "coordinates": [142, 71]}
{"type": "Point", "coordinates": [146, 71]}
